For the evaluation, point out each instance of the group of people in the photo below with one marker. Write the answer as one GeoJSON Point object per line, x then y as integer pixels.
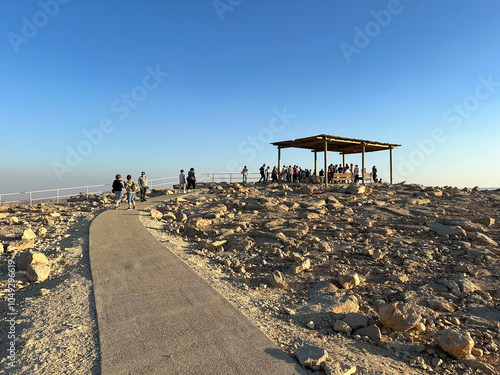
{"type": "Point", "coordinates": [190, 180]}
{"type": "Point", "coordinates": [142, 186]}
{"type": "Point", "coordinates": [297, 174]}
{"type": "Point", "coordinates": [131, 189]}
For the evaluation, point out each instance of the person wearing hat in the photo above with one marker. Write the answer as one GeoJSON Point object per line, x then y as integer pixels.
{"type": "Point", "coordinates": [143, 185]}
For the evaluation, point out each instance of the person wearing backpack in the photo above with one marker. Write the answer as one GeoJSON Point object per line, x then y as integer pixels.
{"type": "Point", "coordinates": [131, 188]}
{"type": "Point", "coordinates": [117, 187]}
{"type": "Point", "coordinates": [191, 179]}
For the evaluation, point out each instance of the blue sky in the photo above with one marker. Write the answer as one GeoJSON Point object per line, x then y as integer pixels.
{"type": "Point", "coordinates": [164, 85]}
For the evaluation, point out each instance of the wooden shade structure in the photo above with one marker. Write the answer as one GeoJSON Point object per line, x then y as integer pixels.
{"type": "Point", "coordinates": [325, 143]}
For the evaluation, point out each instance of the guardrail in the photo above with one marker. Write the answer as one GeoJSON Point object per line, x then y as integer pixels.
{"type": "Point", "coordinates": [231, 177]}
{"type": "Point", "coordinates": [59, 195]}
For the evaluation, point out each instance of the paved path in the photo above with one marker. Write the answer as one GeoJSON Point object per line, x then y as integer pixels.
{"type": "Point", "coordinates": [157, 316]}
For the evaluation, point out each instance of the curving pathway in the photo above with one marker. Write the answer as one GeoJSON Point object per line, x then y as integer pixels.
{"type": "Point", "coordinates": [157, 316]}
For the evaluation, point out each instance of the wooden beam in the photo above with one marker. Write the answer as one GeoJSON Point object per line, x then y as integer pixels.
{"type": "Point", "coordinates": [363, 165]}
{"type": "Point", "coordinates": [326, 165]}
{"type": "Point", "coordinates": [315, 163]}
{"type": "Point", "coordinates": [390, 153]}
{"type": "Point", "coordinates": [279, 163]}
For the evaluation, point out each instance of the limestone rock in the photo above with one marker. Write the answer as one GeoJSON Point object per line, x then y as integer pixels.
{"type": "Point", "coordinates": [155, 214]}
{"type": "Point", "coordinates": [21, 245]}
{"type": "Point", "coordinates": [484, 220]}
{"type": "Point", "coordinates": [28, 234]}
{"type": "Point", "coordinates": [341, 326]}
{"type": "Point", "coordinates": [310, 356]}
{"type": "Point", "coordinates": [169, 216]}
{"type": "Point", "coordinates": [336, 368]}
{"type": "Point", "coordinates": [28, 257]}
{"type": "Point", "coordinates": [356, 189]}
{"type": "Point", "coordinates": [1, 248]}
{"type": "Point", "coordinates": [458, 344]}
{"type": "Point", "coordinates": [399, 316]}
{"type": "Point", "coordinates": [277, 280]}
{"type": "Point", "coordinates": [444, 230]}
{"type": "Point", "coordinates": [37, 272]}
{"type": "Point", "coordinates": [483, 239]}
{"type": "Point", "coordinates": [300, 267]}
{"type": "Point", "coordinates": [42, 231]}
{"type": "Point", "coordinates": [348, 281]}
{"type": "Point", "coordinates": [439, 304]}
{"type": "Point", "coordinates": [356, 320]}
{"type": "Point", "coordinates": [372, 331]}
{"type": "Point", "coordinates": [181, 217]}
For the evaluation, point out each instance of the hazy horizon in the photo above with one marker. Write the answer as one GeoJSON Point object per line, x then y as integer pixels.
{"type": "Point", "coordinates": [98, 88]}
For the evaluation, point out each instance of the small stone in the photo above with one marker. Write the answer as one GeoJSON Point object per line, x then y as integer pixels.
{"type": "Point", "coordinates": [28, 234]}
{"type": "Point", "coordinates": [28, 257]}
{"type": "Point", "coordinates": [277, 280]}
{"type": "Point", "coordinates": [155, 214]}
{"type": "Point", "coordinates": [42, 231]}
{"type": "Point", "coordinates": [476, 352]}
{"type": "Point", "coordinates": [336, 368]}
{"type": "Point", "coordinates": [310, 325]}
{"type": "Point", "coordinates": [348, 281]}
{"type": "Point", "coordinates": [341, 326]}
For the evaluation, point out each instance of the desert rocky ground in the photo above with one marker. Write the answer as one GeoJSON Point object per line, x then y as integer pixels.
{"type": "Point", "coordinates": [400, 279]}
{"type": "Point", "coordinates": [384, 280]}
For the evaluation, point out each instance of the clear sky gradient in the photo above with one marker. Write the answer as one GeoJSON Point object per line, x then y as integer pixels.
{"type": "Point", "coordinates": [90, 89]}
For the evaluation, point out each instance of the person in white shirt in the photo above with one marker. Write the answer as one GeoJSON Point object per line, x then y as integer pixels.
{"type": "Point", "coordinates": [182, 182]}
{"type": "Point", "coordinates": [244, 172]}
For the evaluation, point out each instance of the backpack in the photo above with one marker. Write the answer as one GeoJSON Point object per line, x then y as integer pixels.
{"type": "Point", "coordinates": [134, 187]}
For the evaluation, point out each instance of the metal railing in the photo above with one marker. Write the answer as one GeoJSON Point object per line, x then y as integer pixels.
{"type": "Point", "coordinates": [231, 177]}
{"type": "Point", "coordinates": [59, 195]}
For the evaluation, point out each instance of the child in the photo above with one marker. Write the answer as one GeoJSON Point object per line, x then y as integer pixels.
{"type": "Point", "coordinates": [182, 182]}
{"type": "Point", "coordinates": [131, 188]}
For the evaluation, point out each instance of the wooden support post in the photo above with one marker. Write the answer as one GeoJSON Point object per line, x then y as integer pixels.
{"type": "Point", "coordinates": [343, 161]}
{"type": "Point", "coordinates": [390, 152]}
{"type": "Point", "coordinates": [326, 165]}
{"type": "Point", "coordinates": [363, 165]}
{"type": "Point", "coordinates": [279, 163]}
{"type": "Point", "coordinates": [315, 163]}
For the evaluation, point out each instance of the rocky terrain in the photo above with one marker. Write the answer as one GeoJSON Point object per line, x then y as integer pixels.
{"type": "Point", "coordinates": [391, 279]}
{"type": "Point", "coordinates": [44, 251]}
{"type": "Point", "coordinates": [400, 279]}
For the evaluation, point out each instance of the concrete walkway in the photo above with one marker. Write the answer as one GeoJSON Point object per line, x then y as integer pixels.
{"type": "Point", "coordinates": [157, 316]}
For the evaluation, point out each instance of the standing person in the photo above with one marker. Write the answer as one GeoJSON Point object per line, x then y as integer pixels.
{"type": "Point", "coordinates": [283, 174]}
{"type": "Point", "coordinates": [268, 171]}
{"type": "Point", "coordinates": [356, 173]}
{"type": "Point", "coordinates": [191, 179]}
{"type": "Point", "coordinates": [244, 172]}
{"type": "Point", "coordinates": [143, 185]}
{"type": "Point", "coordinates": [117, 187]}
{"type": "Point", "coordinates": [274, 174]}
{"type": "Point", "coordinates": [182, 182]}
{"type": "Point", "coordinates": [374, 174]}
{"type": "Point", "coordinates": [262, 174]}
{"type": "Point", "coordinates": [132, 189]}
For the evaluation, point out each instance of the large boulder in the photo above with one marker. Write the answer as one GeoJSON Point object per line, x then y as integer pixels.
{"type": "Point", "coordinates": [28, 257]}
{"type": "Point", "coordinates": [356, 189]}
{"type": "Point", "coordinates": [37, 272]}
{"type": "Point", "coordinates": [399, 316]}
{"type": "Point", "coordinates": [458, 344]}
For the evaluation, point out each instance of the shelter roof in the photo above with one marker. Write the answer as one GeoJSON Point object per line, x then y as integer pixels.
{"type": "Point", "coordinates": [334, 143]}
